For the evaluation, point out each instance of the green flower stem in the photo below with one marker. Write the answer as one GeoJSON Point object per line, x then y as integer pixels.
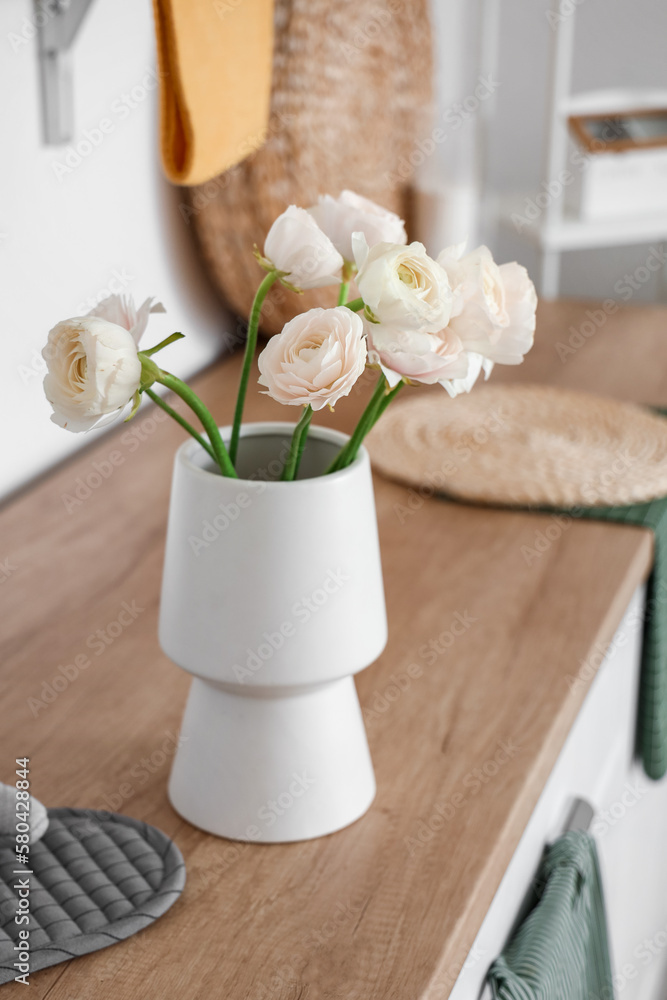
{"type": "Point", "coordinates": [180, 420]}
{"type": "Point", "coordinates": [348, 453]}
{"type": "Point", "coordinates": [163, 343]}
{"type": "Point", "coordinates": [302, 444]}
{"type": "Point", "coordinates": [208, 423]}
{"type": "Point", "coordinates": [355, 305]}
{"type": "Point", "coordinates": [389, 398]}
{"type": "Point", "coordinates": [342, 295]}
{"type": "Point", "coordinates": [297, 445]}
{"type": "Point", "coordinates": [251, 344]}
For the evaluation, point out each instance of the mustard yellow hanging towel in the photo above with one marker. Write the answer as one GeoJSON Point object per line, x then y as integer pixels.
{"type": "Point", "coordinates": [215, 61]}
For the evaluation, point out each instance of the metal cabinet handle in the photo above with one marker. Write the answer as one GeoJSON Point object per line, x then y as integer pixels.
{"type": "Point", "coordinates": [580, 817]}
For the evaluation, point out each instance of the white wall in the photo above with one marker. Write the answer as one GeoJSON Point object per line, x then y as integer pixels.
{"type": "Point", "coordinates": [67, 233]}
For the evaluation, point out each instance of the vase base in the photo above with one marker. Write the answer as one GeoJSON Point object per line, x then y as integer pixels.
{"type": "Point", "coordinates": [273, 767]}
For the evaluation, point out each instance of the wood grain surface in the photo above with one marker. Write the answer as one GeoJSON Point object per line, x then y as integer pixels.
{"type": "Point", "coordinates": [464, 733]}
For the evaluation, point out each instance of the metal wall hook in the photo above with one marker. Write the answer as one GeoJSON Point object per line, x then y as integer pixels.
{"type": "Point", "coordinates": [58, 22]}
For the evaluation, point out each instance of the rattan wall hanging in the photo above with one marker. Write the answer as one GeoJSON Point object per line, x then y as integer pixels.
{"type": "Point", "coordinates": [350, 102]}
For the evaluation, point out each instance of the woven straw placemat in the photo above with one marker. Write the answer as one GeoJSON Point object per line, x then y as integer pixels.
{"type": "Point", "coordinates": [524, 445]}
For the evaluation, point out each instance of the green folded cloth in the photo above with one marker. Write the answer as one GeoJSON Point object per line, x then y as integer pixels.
{"type": "Point", "coordinates": [560, 951]}
{"type": "Point", "coordinates": [652, 718]}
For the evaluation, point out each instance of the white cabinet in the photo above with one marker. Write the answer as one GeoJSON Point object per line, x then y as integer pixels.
{"type": "Point", "coordinates": [630, 826]}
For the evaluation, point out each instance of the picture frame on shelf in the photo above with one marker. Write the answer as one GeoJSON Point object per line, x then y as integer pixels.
{"type": "Point", "coordinates": [620, 132]}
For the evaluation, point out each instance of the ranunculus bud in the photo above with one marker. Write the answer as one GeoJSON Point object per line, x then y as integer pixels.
{"type": "Point", "coordinates": [296, 245]}
{"type": "Point", "coordinates": [349, 213]}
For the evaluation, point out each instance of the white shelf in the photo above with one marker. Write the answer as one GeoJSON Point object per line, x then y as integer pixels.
{"type": "Point", "coordinates": [552, 230]}
{"type": "Point", "coordinates": [568, 233]}
{"type": "Point", "coordinates": [610, 100]}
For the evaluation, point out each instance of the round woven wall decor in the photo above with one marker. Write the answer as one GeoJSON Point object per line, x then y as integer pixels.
{"type": "Point", "coordinates": [524, 445]}
{"type": "Point", "coordinates": [351, 98]}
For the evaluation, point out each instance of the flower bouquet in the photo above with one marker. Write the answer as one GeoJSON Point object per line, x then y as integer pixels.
{"type": "Point", "coordinates": [272, 590]}
{"type": "Point", "coordinates": [416, 320]}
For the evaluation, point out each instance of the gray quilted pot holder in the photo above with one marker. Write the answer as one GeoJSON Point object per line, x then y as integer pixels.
{"type": "Point", "coordinates": [98, 878]}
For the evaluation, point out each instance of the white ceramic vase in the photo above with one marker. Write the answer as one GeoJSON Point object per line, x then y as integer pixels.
{"type": "Point", "coordinates": [272, 597]}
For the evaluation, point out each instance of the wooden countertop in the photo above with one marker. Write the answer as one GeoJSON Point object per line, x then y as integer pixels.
{"type": "Point", "coordinates": [370, 912]}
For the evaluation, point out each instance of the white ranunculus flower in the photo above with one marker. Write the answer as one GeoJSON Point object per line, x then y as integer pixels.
{"type": "Point", "coordinates": [349, 213]}
{"type": "Point", "coordinates": [495, 306]}
{"type": "Point", "coordinates": [93, 371]}
{"type": "Point", "coordinates": [121, 309]}
{"type": "Point", "coordinates": [316, 359]}
{"type": "Point", "coordinates": [417, 357]}
{"type": "Point", "coordinates": [476, 365]}
{"type": "Point", "coordinates": [402, 286]}
{"type": "Point", "coordinates": [296, 245]}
